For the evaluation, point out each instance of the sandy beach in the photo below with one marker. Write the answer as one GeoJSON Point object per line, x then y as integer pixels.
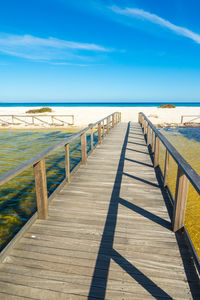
{"type": "Point", "coordinates": [85, 115]}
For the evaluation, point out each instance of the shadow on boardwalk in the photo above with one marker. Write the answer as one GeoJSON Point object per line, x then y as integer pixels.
{"type": "Point", "coordinates": [109, 229]}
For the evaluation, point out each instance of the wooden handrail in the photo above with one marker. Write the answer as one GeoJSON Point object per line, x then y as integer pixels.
{"type": "Point", "coordinates": [19, 169]}
{"type": "Point", "coordinates": [191, 116]}
{"type": "Point", "coordinates": [185, 175]}
{"type": "Point", "coordinates": [38, 164]}
{"type": "Point", "coordinates": [191, 174]}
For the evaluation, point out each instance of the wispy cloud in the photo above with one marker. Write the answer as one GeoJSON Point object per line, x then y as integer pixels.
{"type": "Point", "coordinates": [36, 48]}
{"type": "Point", "coordinates": [145, 15]}
{"type": "Point", "coordinates": [68, 64]}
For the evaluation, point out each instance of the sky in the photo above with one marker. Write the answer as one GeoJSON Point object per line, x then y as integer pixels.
{"type": "Point", "coordinates": [100, 50]}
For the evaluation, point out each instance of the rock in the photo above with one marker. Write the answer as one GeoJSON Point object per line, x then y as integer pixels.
{"type": "Point", "coordinates": [152, 116]}
{"type": "Point", "coordinates": [191, 124]}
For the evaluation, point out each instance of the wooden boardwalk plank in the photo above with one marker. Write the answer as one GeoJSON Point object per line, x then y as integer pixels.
{"type": "Point", "coordinates": [108, 235]}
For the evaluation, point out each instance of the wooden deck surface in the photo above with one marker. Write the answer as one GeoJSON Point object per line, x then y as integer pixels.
{"type": "Point", "coordinates": [108, 235]}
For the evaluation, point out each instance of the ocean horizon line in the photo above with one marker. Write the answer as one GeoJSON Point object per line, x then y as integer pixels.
{"type": "Point", "coordinates": [97, 104]}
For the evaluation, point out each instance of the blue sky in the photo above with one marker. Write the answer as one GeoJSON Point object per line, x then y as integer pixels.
{"type": "Point", "coordinates": [95, 50]}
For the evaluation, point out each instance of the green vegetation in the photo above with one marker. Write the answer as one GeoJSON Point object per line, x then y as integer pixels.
{"type": "Point", "coordinates": [17, 196]}
{"type": "Point", "coordinates": [167, 106]}
{"type": "Point", "coordinates": [40, 110]}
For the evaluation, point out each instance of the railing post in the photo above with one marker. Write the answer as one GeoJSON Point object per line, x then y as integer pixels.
{"type": "Point", "coordinates": [120, 116]}
{"type": "Point", "coordinates": [148, 135]}
{"type": "Point", "coordinates": [83, 148]}
{"type": "Point", "coordinates": [99, 133]}
{"type": "Point", "coordinates": [145, 127]}
{"type": "Point", "coordinates": [166, 168]}
{"type": "Point", "coordinates": [152, 142]}
{"type": "Point", "coordinates": [142, 122]}
{"type": "Point", "coordinates": [41, 189]}
{"type": "Point", "coordinates": [139, 118]}
{"type": "Point", "coordinates": [181, 194]}
{"type": "Point", "coordinates": [156, 154]}
{"type": "Point", "coordinates": [107, 125]}
{"type": "Point", "coordinates": [92, 139]}
{"type": "Point", "coordinates": [103, 129]}
{"type": "Point", "coordinates": [113, 120]}
{"type": "Point", "coordinates": [67, 163]}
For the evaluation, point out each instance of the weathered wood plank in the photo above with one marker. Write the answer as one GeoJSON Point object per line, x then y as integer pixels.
{"type": "Point", "coordinates": [41, 189]}
{"type": "Point", "coordinates": [83, 149]}
{"type": "Point", "coordinates": [182, 184]}
{"type": "Point", "coordinates": [107, 227]}
{"type": "Point", "coordinates": [67, 163]}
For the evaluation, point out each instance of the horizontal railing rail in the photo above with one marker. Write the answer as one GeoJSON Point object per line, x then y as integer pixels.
{"type": "Point", "coordinates": [185, 174]}
{"type": "Point", "coordinates": [10, 119]}
{"type": "Point", "coordinates": [38, 162]}
{"type": "Point", "coordinates": [195, 117]}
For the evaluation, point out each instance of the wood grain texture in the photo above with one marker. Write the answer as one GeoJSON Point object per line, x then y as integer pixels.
{"type": "Point", "coordinates": [92, 139]}
{"type": "Point", "coordinates": [108, 234]}
{"type": "Point", "coordinates": [182, 184]}
{"type": "Point", "coordinates": [166, 168]}
{"type": "Point", "coordinates": [83, 149]}
{"type": "Point", "coordinates": [107, 125]}
{"type": "Point", "coordinates": [67, 163]}
{"type": "Point", "coordinates": [113, 121]}
{"type": "Point", "coordinates": [41, 189]}
{"type": "Point", "coordinates": [99, 133]}
{"type": "Point", "coordinates": [156, 155]}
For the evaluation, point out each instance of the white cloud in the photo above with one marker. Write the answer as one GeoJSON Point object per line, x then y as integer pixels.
{"type": "Point", "coordinates": [35, 48]}
{"type": "Point", "coordinates": [142, 14]}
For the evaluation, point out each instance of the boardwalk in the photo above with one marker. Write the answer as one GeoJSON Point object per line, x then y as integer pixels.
{"type": "Point", "coordinates": [108, 235]}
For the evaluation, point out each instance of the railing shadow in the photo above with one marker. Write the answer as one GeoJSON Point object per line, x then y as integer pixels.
{"type": "Point", "coordinates": [137, 151]}
{"type": "Point", "coordinates": [143, 212]}
{"type": "Point", "coordinates": [137, 144]}
{"type": "Point", "coordinates": [142, 180]}
{"type": "Point", "coordinates": [139, 162]}
{"type": "Point", "coordinates": [109, 229]}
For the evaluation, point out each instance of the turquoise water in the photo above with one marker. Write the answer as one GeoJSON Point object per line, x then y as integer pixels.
{"type": "Point", "coordinates": [98, 104]}
{"type": "Point", "coordinates": [188, 132]}
{"type": "Point", "coordinates": [18, 201]}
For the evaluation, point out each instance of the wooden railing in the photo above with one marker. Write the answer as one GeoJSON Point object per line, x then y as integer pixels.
{"type": "Point", "coordinates": [185, 174]}
{"type": "Point", "coordinates": [37, 119]}
{"type": "Point", "coordinates": [38, 162]}
{"type": "Point", "coordinates": [194, 118]}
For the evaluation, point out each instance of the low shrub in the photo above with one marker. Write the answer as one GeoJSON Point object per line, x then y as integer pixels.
{"type": "Point", "coordinates": [167, 106]}
{"type": "Point", "coordinates": [39, 110]}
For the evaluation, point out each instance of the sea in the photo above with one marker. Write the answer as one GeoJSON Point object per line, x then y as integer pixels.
{"type": "Point", "coordinates": [97, 104]}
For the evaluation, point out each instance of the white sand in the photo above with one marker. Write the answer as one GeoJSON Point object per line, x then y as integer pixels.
{"type": "Point", "coordinates": [85, 115]}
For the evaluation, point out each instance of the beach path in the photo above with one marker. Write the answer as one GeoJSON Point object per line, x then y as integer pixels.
{"type": "Point", "coordinates": [108, 234]}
